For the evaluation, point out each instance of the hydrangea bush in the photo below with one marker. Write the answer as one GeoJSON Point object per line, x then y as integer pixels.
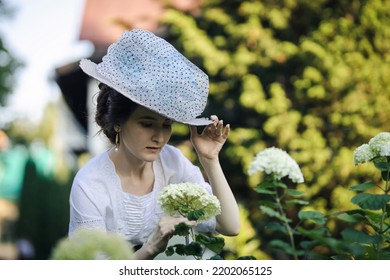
{"type": "Point", "coordinates": [369, 235]}
{"type": "Point", "coordinates": [377, 149]}
{"type": "Point", "coordinates": [281, 170]}
{"type": "Point", "coordinates": [92, 244]}
{"type": "Point", "coordinates": [366, 232]}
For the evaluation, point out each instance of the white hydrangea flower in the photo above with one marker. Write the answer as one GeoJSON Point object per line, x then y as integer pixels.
{"type": "Point", "coordinates": [385, 150]}
{"type": "Point", "coordinates": [93, 244]}
{"type": "Point", "coordinates": [378, 146]}
{"type": "Point", "coordinates": [363, 154]}
{"type": "Point", "coordinates": [277, 162]}
{"type": "Point", "coordinates": [180, 199]}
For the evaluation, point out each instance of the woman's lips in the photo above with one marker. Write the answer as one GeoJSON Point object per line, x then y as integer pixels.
{"type": "Point", "coordinates": [153, 148]}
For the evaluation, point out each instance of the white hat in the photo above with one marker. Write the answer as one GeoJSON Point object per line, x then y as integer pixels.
{"type": "Point", "coordinates": [151, 72]}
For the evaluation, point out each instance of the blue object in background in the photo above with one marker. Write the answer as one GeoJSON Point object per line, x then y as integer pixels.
{"type": "Point", "coordinates": [12, 171]}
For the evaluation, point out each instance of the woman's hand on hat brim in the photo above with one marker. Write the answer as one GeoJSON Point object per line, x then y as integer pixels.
{"type": "Point", "coordinates": [209, 143]}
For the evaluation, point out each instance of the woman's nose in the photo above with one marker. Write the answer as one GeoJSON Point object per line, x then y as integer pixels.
{"type": "Point", "coordinates": [158, 135]}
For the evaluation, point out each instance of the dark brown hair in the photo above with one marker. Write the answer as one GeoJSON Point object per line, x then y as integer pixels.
{"type": "Point", "coordinates": [112, 109]}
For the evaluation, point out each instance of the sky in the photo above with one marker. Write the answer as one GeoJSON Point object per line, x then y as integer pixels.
{"type": "Point", "coordinates": [43, 35]}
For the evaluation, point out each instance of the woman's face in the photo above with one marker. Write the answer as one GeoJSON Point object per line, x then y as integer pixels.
{"type": "Point", "coordinates": [144, 134]}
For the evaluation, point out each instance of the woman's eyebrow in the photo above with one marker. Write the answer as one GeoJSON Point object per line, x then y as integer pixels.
{"type": "Point", "coordinates": [147, 118]}
{"type": "Point", "coordinates": [152, 118]}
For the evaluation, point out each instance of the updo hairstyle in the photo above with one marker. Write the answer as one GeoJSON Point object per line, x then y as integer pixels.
{"type": "Point", "coordinates": [112, 110]}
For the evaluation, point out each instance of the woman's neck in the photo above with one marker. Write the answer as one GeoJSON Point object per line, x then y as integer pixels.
{"type": "Point", "coordinates": [137, 177]}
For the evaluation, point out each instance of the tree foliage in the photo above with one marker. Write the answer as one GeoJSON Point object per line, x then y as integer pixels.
{"type": "Point", "coordinates": [310, 77]}
{"type": "Point", "coordinates": [8, 64]}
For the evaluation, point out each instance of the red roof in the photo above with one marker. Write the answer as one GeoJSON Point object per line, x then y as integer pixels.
{"type": "Point", "coordinates": [104, 20]}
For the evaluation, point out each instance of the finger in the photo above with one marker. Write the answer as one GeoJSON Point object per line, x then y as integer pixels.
{"type": "Point", "coordinates": [210, 128]}
{"type": "Point", "coordinates": [219, 128]}
{"type": "Point", "coordinates": [226, 131]}
{"type": "Point", "coordinates": [167, 229]}
{"type": "Point", "coordinates": [214, 118]}
{"type": "Point", "coordinates": [191, 223]}
{"type": "Point", "coordinates": [186, 221]}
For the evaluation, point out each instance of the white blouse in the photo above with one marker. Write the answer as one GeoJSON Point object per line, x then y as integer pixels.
{"type": "Point", "coordinates": [98, 201]}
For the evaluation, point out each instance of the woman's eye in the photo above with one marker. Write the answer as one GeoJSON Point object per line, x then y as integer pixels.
{"type": "Point", "coordinates": [146, 124]}
{"type": "Point", "coordinates": [151, 124]}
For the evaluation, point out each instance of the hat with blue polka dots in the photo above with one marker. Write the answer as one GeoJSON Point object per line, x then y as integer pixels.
{"type": "Point", "coordinates": [151, 72]}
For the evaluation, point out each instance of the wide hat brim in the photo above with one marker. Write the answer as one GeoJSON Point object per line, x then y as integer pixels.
{"type": "Point", "coordinates": [90, 68]}
{"type": "Point", "coordinates": [150, 72]}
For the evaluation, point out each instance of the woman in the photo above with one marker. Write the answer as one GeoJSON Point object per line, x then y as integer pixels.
{"type": "Point", "coordinates": [145, 86]}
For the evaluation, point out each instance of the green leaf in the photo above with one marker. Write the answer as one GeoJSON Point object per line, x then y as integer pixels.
{"type": "Point", "coordinates": [179, 249]}
{"type": "Point", "coordinates": [271, 185]}
{"type": "Point", "coordinates": [276, 227]}
{"type": "Point", "coordinates": [182, 208]}
{"type": "Point", "coordinates": [193, 249]}
{"type": "Point", "coordinates": [269, 203]}
{"type": "Point", "coordinates": [360, 237]}
{"type": "Point", "coordinates": [314, 233]}
{"type": "Point", "coordinates": [202, 238]}
{"type": "Point", "coordinates": [363, 187]}
{"type": "Point", "coordinates": [386, 238]}
{"type": "Point", "coordinates": [216, 258]}
{"type": "Point", "coordinates": [359, 250]}
{"type": "Point", "coordinates": [195, 215]}
{"type": "Point", "coordinates": [294, 193]}
{"type": "Point", "coordinates": [384, 256]}
{"type": "Point", "coordinates": [309, 245]}
{"type": "Point", "coordinates": [266, 185]}
{"type": "Point", "coordinates": [371, 201]}
{"type": "Point", "coordinates": [170, 251]}
{"type": "Point", "coordinates": [358, 215]}
{"type": "Point", "coordinates": [264, 190]}
{"type": "Point", "coordinates": [370, 253]}
{"type": "Point", "coordinates": [280, 184]}
{"type": "Point", "coordinates": [279, 244]}
{"type": "Point", "coordinates": [322, 236]}
{"type": "Point", "coordinates": [385, 175]}
{"type": "Point", "coordinates": [382, 166]}
{"type": "Point", "coordinates": [350, 212]}
{"type": "Point", "coordinates": [246, 258]}
{"type": "Point", "coordinates": [314, 216]}
{"type": "Point", "coordinates": [350, 218]}
{"type": "Point", "coordinates": [296, 201]}
{"type": "Point", "coordinates": [272, 213]}
{"type": "Point", "coordinates": [388, 210]}
{"type": "Point", "coordinates": [182, 229]}
{"type": "Point", "coordinates": [215, 244]}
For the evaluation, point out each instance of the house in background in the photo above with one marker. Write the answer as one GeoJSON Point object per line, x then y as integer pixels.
{"type": "Point", "coordinates": [102, 23]}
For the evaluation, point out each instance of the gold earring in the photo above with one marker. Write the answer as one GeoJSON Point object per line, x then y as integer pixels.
{"type": "Point", "coordinates": [116, 139]}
